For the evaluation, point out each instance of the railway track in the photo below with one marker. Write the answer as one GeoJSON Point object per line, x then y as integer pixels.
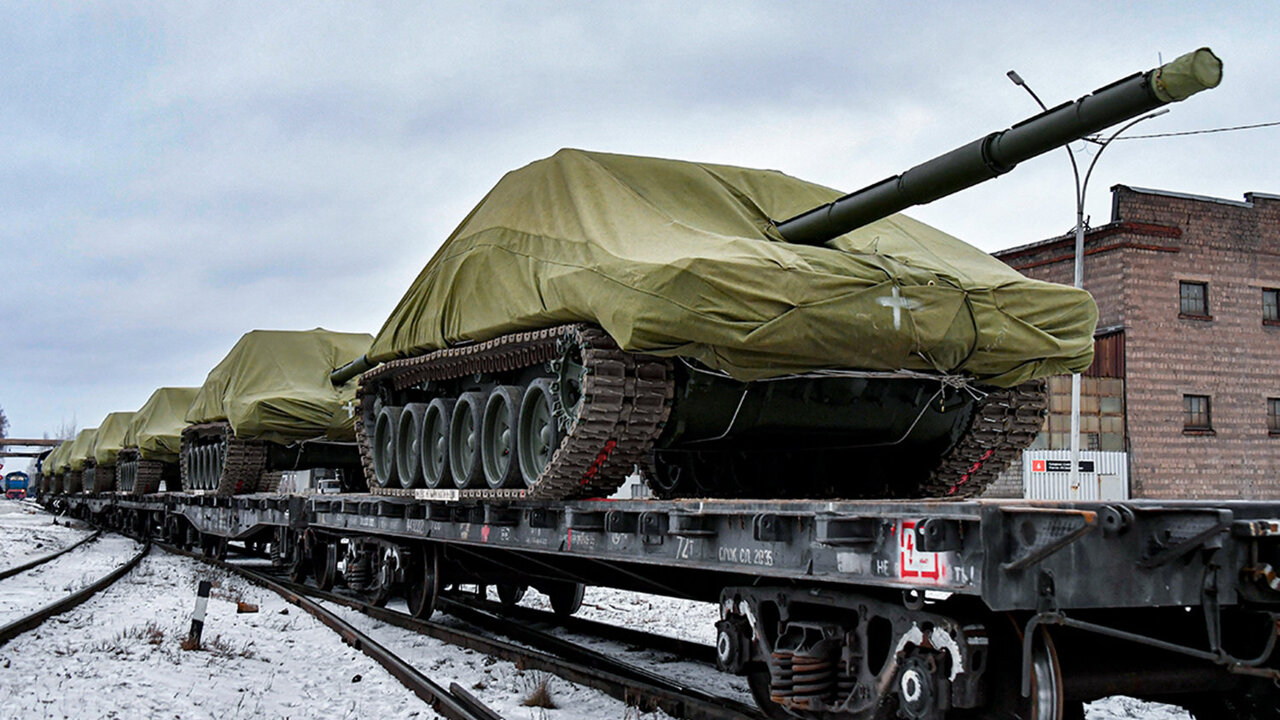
{"type": "Point", "coordinates": [454, 702]}
{"type": "Point", "coordinates": [533, 649]}
{"type": "Point", "coordinates": [17, 569]}
{"type": "Point", "coordinates": [531, 617]}
{"type": "Point", "coordinates": [34, 619]}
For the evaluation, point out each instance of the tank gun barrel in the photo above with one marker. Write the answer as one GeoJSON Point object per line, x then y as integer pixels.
{"type": "Point", "coordinates": [998, 153]}
{"type": "Point", "coordinates": [346, 372]}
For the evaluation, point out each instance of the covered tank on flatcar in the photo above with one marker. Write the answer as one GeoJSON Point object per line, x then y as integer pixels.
{"type": "Point", "coordinates": [269, 406]}
{"type": "Point", "coordinates": [149, 451]}
{"type": "Point", "coordinates": [78, 459]}
{"type": "Point", "coordinates": [596, 313]}
{"type": "Point", "coordinates": [106, 448]}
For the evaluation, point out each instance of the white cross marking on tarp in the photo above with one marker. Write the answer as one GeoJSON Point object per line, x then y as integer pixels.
{"type": "Point", "coordinates": [898, 303]}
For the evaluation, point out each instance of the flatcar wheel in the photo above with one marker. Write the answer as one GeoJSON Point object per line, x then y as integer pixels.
{"type": "Point", "coordinates": [409, 445]}
{"type": "Point", "coordinates": [499, 442]}
{"type": "Point", "coordinates": [423, 582]}
{"type": "Point", "coordinates": [565, 597]}
{"type": "Point", "coordinates": [539, 434]}
{"type": "Point", "coordinates": [1004, 696]}
{"type": "Point", "coordinates": [297, 560]}
{"type": "Point", "coordinates": [215, 547]}
{"type": "Point", "coordinates": [175, 534]}
{"type": "Point", "coordinates": [384, 446]}
{"type": "Point", "coordinates": [464, 441]}
{"type": "Point", "coordinates": [324, 564]}
{"type": "Point", "coordinates": [434, 442]}
{"type": "Point", "coordinates": [386, 573]}
{"type": "Point", "coordinates": [510, 594]}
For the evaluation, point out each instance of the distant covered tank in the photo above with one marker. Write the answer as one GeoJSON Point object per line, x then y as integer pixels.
{"type": "Point", "coordinates": [152, 442]}
{"type": "Point", "coordinates": [597, 312]}
{"type": "Point", "coordinates": [106, 448]}
{"type": "Point", "coordinates": [79, 457]}
{"type": "Point", "coordinates": [51, 469]}
{"type": "Point", "coordinates": [269, 406]}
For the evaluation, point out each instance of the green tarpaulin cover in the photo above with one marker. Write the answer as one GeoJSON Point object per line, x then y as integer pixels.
{"type": "Point", "coordinates": [274, 385]}
{"type": "Point", "coordinates": [681, 258]}
{"type": "Point", "coordinates": [156, 429]}
{"type": "Point", "coordinates": [81, 449]}
{"type": "Point", "coordinates": [111, 437]}
{"type": "Point", "coordinates": [53, 463]}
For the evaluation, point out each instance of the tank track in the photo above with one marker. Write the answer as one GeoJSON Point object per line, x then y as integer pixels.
{"type": "Point", "coordinates": [1005, 422]}
{"type": "Point", "coordinates": [104, 478]}
{"type": "Point", "coordinates": [243, 465]}
{"type": "Point", "coordinates": [626, 399]}
{"type": "Point", "coordinates": [73, 482]}
{"type": "Point", "coordinates": [147, 474]}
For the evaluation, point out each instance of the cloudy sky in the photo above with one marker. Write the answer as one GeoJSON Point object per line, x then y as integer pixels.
{"type": "Point", "coordinates": [174, 175]}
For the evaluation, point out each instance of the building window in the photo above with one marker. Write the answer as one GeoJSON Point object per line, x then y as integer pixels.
{"type": "Point", "coordinates": [1195, 410]}
{"type": "Point", "coordinates": [1273, 416]}
{"type": "Point", "coordinates": [1270, 305]}
{"type": "Point", "coordinates": [1195, 298]}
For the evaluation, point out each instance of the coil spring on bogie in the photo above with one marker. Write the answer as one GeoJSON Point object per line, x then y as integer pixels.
{"type": "Point", "coordinates": [800, 679]}
{"type": "Point", "coordinates": [357, 573]}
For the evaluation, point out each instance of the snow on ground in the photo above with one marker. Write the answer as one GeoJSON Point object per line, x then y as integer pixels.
{"type": "Point", "coordinates": [1127, 708]}
{"type": "Point", "coordinates": [27, 532]}
{"type": "Point", "coordinates": [685, 619]}
{"type": "Point", "coordinates": [499, 684]}
{"type": "Point", "coordinates": [120, 656]}
{"type": "Point", "coordinates": [29, 591]}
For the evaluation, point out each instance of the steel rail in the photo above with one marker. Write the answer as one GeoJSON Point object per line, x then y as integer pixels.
{"type": "Point", "coordinates": [687, 649]}
{"type": "Point", "coordinates": [617, 679]}
{"type": "Point", "coordinates": [10, 572]}
{"type": "Point", "coordinates": [17, 627]}
{"type": "Point", "coordinates": [441, 700]}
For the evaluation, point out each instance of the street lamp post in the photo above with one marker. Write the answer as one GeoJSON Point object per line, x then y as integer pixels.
{"type": "Point", "coordinates": [1082, 186]}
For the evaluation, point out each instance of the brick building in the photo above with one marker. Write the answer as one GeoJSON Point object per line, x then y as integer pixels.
{"type": "Point", "coordinates": [1186, 376]}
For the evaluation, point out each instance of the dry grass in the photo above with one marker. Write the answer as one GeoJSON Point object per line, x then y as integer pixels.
{"type": "Point", "coordinates": [149, 634]}
{"type": "Point", "coordinates": [539, 692]}
{"type": "Point", "coordinates": [218, 646]}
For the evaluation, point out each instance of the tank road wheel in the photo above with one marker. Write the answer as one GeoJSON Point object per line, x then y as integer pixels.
{"type": "Point", "coordinates": [409, 445]}
{"type": "Point", "coordinates": [499, 444]}
{"type": "Point", "coordinates": [384, 446]}
{"type": "Point", "coordinates": [324, 563]}
{"type": "Point", "coordinates": [464, 441]}
{"type": "Point", "coordinates": [510, 594]}
{"type": "Point", "coordinates": [434, 443]}
{"type": "Point", "coordinates": [539, 434]}
{"type": "Point", "coordinates": [422, 581]}
{"type": "Point", "coordinates": [565, 597]}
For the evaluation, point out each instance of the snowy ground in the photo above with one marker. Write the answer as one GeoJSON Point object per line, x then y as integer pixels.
{"type": "Point", "coordinates": [28, 532]}
{"type": "Point", "coordinates": [119, 655]}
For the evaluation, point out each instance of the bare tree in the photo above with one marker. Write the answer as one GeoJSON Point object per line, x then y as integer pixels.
{"type": "Point", "coordinates": [67, 430]}
{"type": "Point", "coordinates": [4, 424]}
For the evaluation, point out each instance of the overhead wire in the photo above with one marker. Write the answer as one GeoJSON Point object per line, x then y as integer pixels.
{"type": "Point", "coordinates": [1195, 132]}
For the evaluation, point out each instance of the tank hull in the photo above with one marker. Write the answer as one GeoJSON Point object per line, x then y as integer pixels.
{"type": "Point", "coordinates": [689, 431]}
